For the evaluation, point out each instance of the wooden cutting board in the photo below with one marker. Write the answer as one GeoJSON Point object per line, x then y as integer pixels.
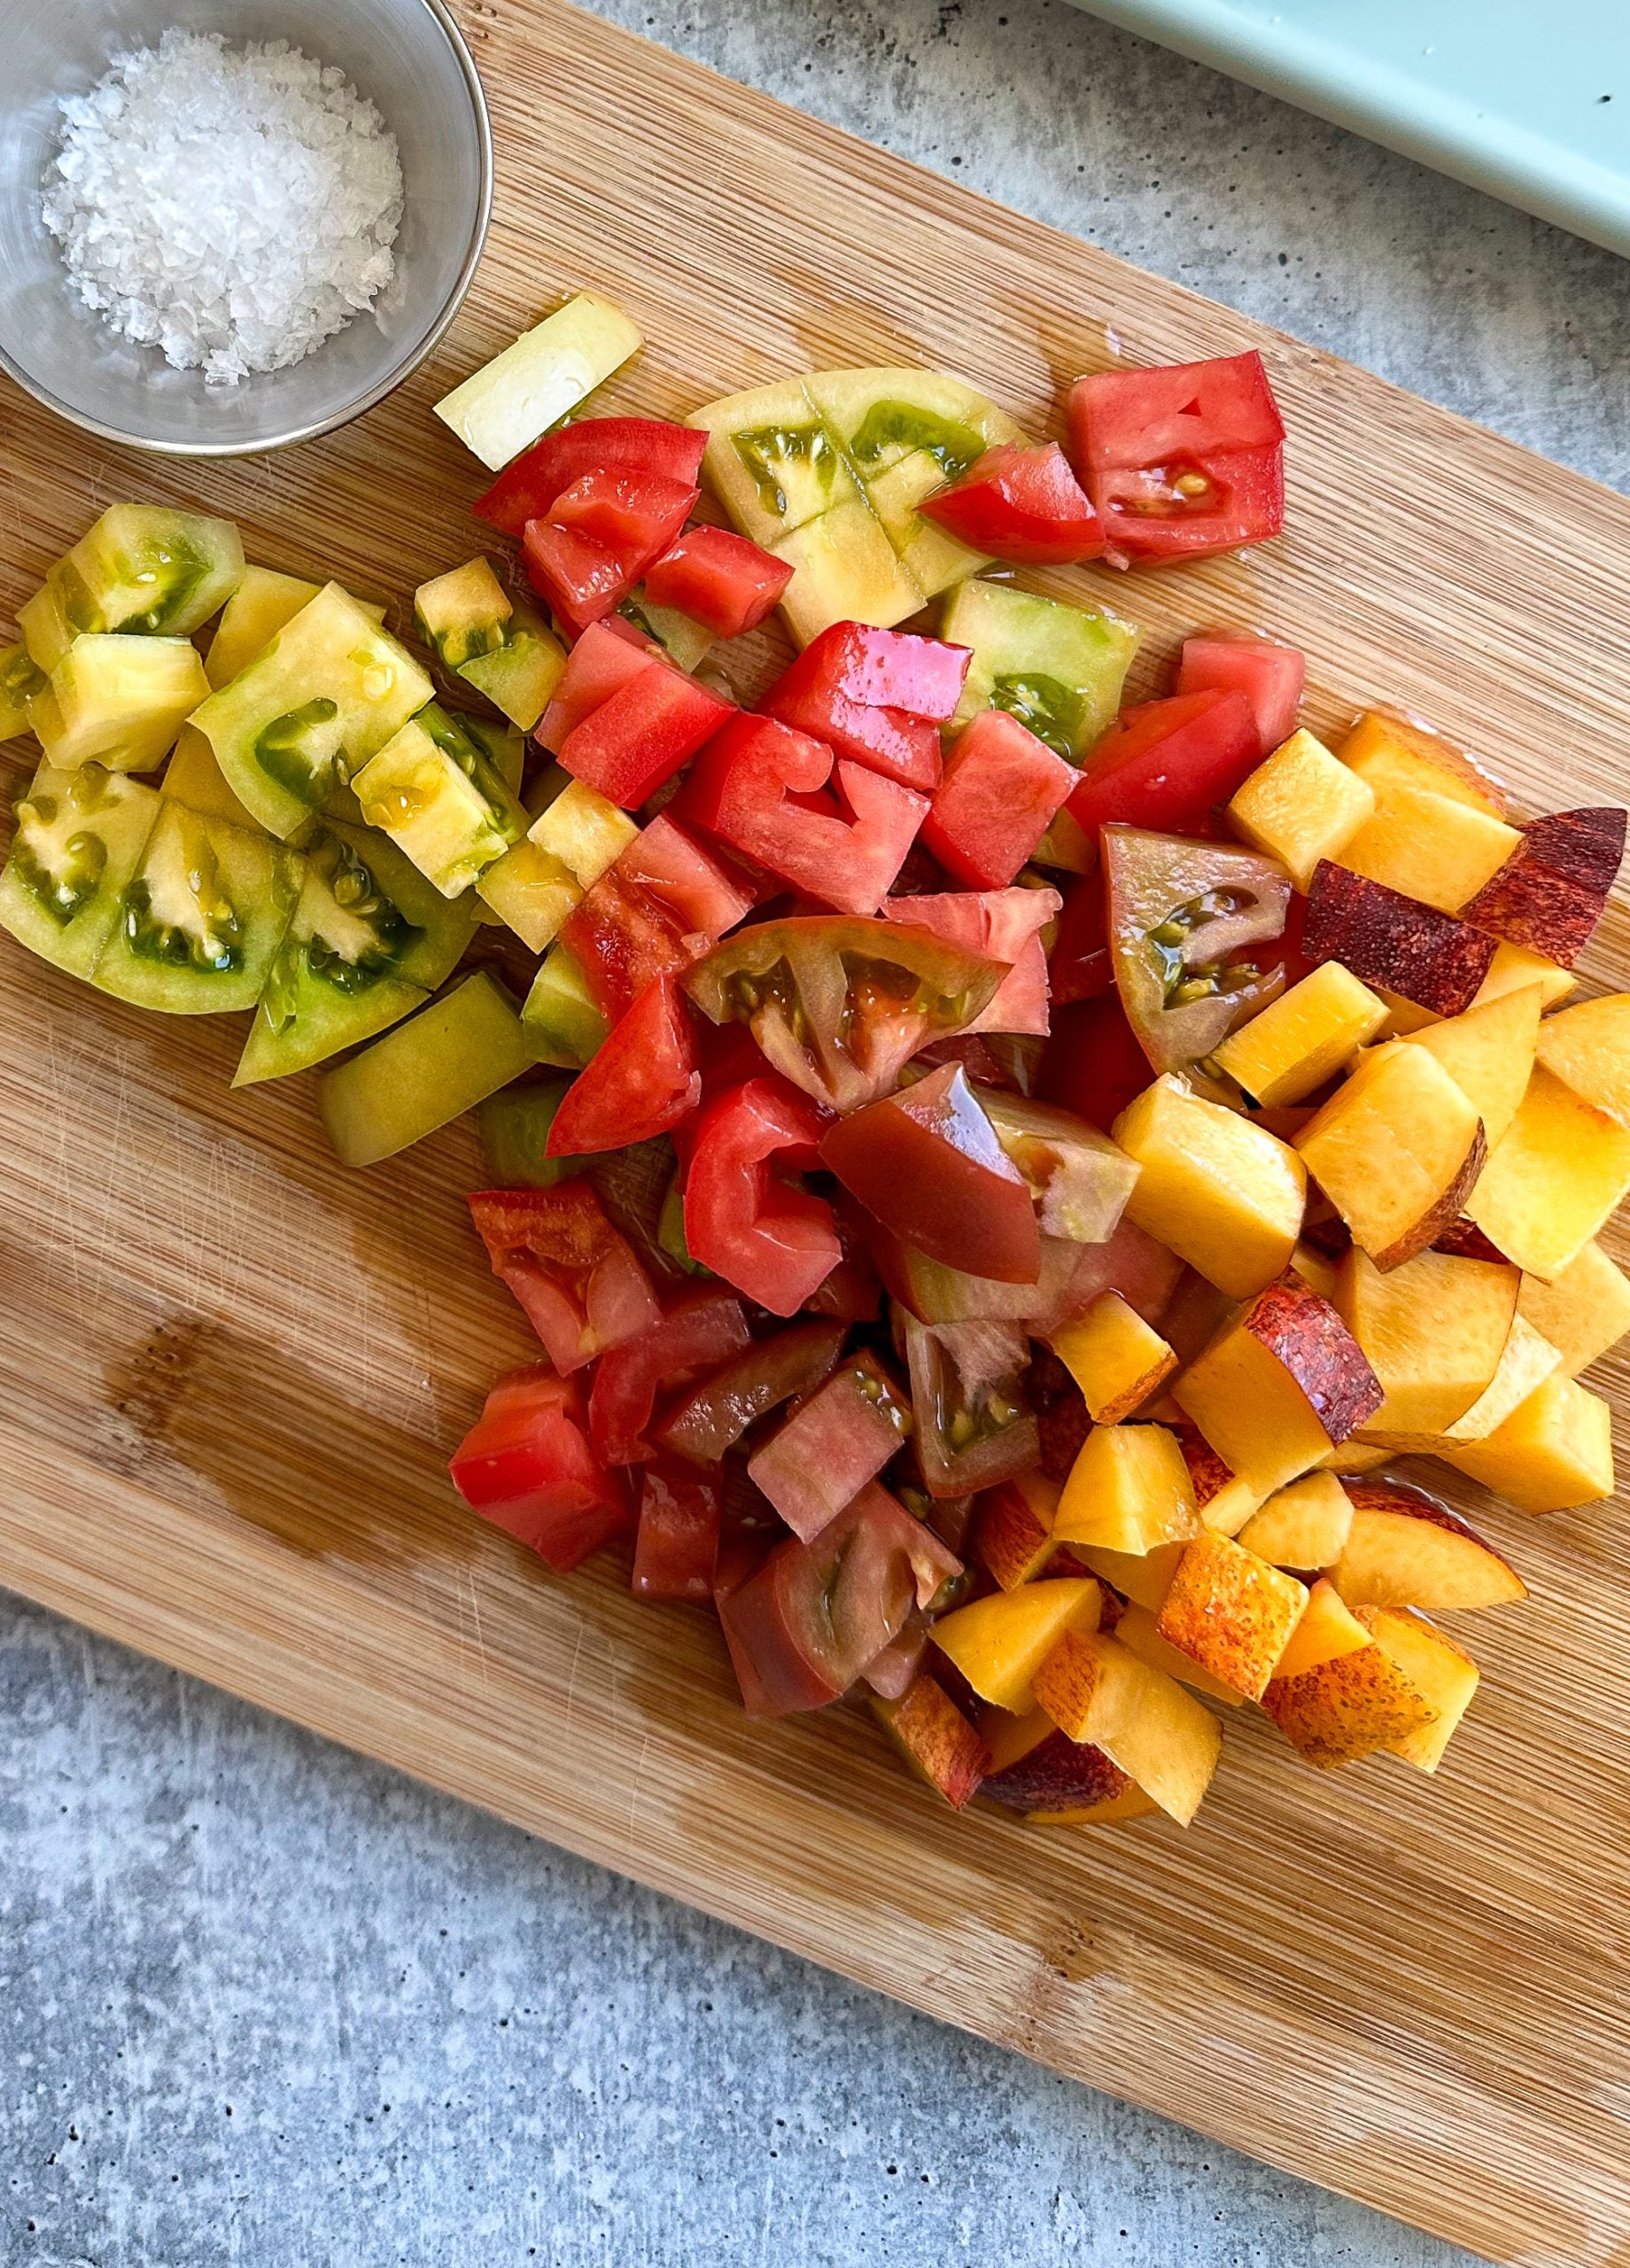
{"type": "Point", "coordinates": [230, 1371]}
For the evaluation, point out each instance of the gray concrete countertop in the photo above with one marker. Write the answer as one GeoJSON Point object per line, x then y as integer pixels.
{"type": "Point", "coordinates": [263, 2003]}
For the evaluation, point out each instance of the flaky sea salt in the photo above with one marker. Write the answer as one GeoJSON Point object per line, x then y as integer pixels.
{"type": "Point", "coordinates": [234, 206]}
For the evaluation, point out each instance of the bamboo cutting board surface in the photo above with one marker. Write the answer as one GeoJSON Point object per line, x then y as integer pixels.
{"type": "Point", "coordinates": [230, 1372]}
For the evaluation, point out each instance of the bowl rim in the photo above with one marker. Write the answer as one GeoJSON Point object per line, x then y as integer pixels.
{"type": "Point", "coordinates": [314, 428]}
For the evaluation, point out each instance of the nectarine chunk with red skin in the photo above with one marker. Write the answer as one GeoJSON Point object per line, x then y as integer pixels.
{"type": "Point", "coordinates": [1280, 1385]}
{"type": "Point", "coordinates": [1406, 1549]}
{"type": "Point", "coordinates": [1139, 1631]}
{"type": "Point", "coordinates": [1430, 847]}
{"type": "Point", "coordinates": [997, 1642]}
{"type": "Point", "coordinates": [1556, 1177]}
{"type": "Point", "coordinates": [937, 1739]}
{"type": "Point", "coordinates": [1488, 1052]}
{"type": "Point", "coordinates": [1013, 1533]}
{"type": "Point", "coordinates": [1058, 1775]}
{"type": "Point", "coordinates": [1231, 1613]}
{"type": "Point", "coordinates": [1347, 1708]}
{"type": "Point", "coordinates": [1583, 1311]}
{"type": "Point", "coordinates": [1305, 1524]}
{"type": "Point", "coordinates": [1554, 1453]}
{"type": "Point", "coordinates": [1443, 1673]}
{"type": "Point", "coordinates": [1144, 1577]}
{"type": "Point", "coordinates": [1385, 939]}
{"type": "Point", "coordinates": [1397, 1149]}
{"type": "Point", "coordinates": [1224, 1499]}
{"type": "Point", "coordinates": [1116, 1358]}
{"type": "Point", "coordinates": [1096, 1691]}
{"type": "Point", "coordinates": [1306, 1336]}
{"type": "Point", "coordinates": [1129, 1491]}
{"type": "Point", "coordinates": [1587, 1047]}
{"type": "Point", "coordinates": [1434, 1330]}
{"type": "Point", "coordinates": [1387, 749]}
{"type": "Point", "coordinates": [1550, 895]}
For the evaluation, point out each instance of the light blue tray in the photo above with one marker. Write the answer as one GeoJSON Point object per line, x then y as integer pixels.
{"type": "Point", "coordinates": [1529, 99]}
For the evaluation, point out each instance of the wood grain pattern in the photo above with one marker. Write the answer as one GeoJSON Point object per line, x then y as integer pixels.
{"type": "Point", "coordinates": [230, 1373]}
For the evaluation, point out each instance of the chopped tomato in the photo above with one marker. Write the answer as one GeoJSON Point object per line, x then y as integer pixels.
{"type": "Point", "coordinates": [641, 1083]}
{"type": "Point", "coordinates": [832, 1445]}
{"type": "Point", "coordinates": [927, 1161]}
{"type": "Point", "coordinates": [1079, 966]}
{"type": "Point", "coordinates": [648, 446]}
{"type": "Point", "coordinates": [639, 736]}
{"type": "Point", "coordinates": [771, 1370]}
{"type": "Point", "coordinates": [719, 580]}
{"type": "Point", "coordinates": [634, 515]}
{"type": "Point", "coordinates": [1168, 764]}
{"type": "Point", "coordinates": [1093, 1064]}
{"type": "Point", "coordinates": [1270, 677]}
{"type": "Point", "coordinates": [578, 579]}
{"type": "Point", "coordinates": [1002, 925]}
{"type": "Point", "coordinates": [852, 1292]}
{"type": "Point", "coordinates": [1079, 1179]}
{"type": "Point", "coordinates": [699, 1332]}
{"type": "Point", "coordinates": [815, 1616]}
{"type": "Point", "coordinates": [600, 663]}
{"type": "Point", "coordinates": [874, 697]}
{"type": "Point", "coordinates": [1180, 915]}
{"type": "Point", "coordinates": [832, 829]}
{"type": "Point", "coordinates": [776, 1243]}
{"type": "Point", "coordinates": [839, 1005]}
{"type": "Point", "coordinates": [664, 903]}
{"type": "Point", "coordinates": [526, 1467]}
{"type": "Point", "coordinates": [577, 1277]}
{"type": "Point", "coordinates": [1001, 791]}
{"type": "Point", "coordinates": [1182, 461]}
{"type": "Point", "coordinates": [1022, 504]}
{"type": "Point", "coordinates": [972, 1426]}
{"type": "Point", "coordinates": [891, 1673]}
{"type": "Point", "coordinates": [676, 1544]}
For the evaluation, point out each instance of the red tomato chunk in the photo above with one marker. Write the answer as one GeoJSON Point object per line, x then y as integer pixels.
{"type": "Point", "coordinates": [834, 829]}
{"type": "Point", "coordinates": [1271, 677]}
{"type": "Point", "coordinates": [664, 903]}
{"type": "Point", "coordinates": [639, 737]}
{"type": "Point", "coordinates": [697, 1334]}
{"type": "Point", "coordinates": [598, 537]}
{"type": "Point", "coordinates": [578, 1278]}
{"type": "Point", "coordinates": [1169, 764]}
{"type": "Point", "coordinates": [713, 1419]}
{"type": "Point", "coordinates": [719, 580]}
{"type": "Point", "coordinates": [1182, 461]}
{"type": "Point", "coordinates": [527, 489]}
{"type": "Point", "coordinates": [1000, 925]}
{"type": "Point", "coordinates": [643, 1082]}
{"type": "Point", "coordinates": [875, 696]}
{"type": "Point", "coordinates": [526, 1467]}
{"type": "Point", "coordinates": [676, 1544]}
{"type": "Point", "coordinates": [1001, 791]}
{"type": "Point", "coordinates": [1022, 504]}
{"type": "Point", "coordinates": [601, 663]}
{"type": "Point", "coordinates": [928, 1164]}
{"type": "Point", "coordinates": [830, 1448]}
{"type": "Point", "coordinates": [776, 1243]}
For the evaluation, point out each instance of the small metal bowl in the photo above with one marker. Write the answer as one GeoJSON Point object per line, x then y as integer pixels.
{"type": "Point", "coordinates": [407, 56]}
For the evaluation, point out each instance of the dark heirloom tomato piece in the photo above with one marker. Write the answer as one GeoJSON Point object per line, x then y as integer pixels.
{"type": "Point", "coordinates": [1001, 791]}
{"type": "Point", "coordinates": [698, 1334]}
{"type": "Point", "coordinates": [1000, 925]}
{"type": "Point", "coordinates": [1079, 967]}
{"type": "Point", "coordinates": [839, 1005]}
{"type": "Point", "coordinates": [1019, 503]}
{"type": "Point", "coordinates": [1092, 1063]}
{"type": "Point", "coordinates": [1182, 461]}
{"type": "Point", "coordinates": [720, 579]}
{"type": "Point", "coordinates": [1078, 1179]}
{"type": "Point", "coordinates": [1168, 764]}
{"type": "Point", "coordinates": [712, 1421]}
{"type": "Point", "coordinates": [852, 1292]}
{"type": "Point", "coordinates": [578, 1278]}
{"type": "Point", "coordinates": [776, 1243]}
{"type": "Point", "coordinates": [641, 1083]}
{"type": "Point", "coordinates": [815, 1616]}
{"type": "Point", "coordinates": [676, 1544]}
{"type": "Point", "coordinates": [1270, 677]}
{"type": "Point", "coordinates": [972, 1426]}
{"type": "Point", "coordinates": [1072, 1275]}
{"type": "Point", "coordinates": [831, 1446]}
{"type": "Point", "coordinates": [889, 1673]}
{"type": "Point", "coordinates": [1180, 915]}
{"type": "Point", "coordinates": [831, 827]}
{"type": "Point", "coordinates": [637, 738]}
{"type": "Point", "coordinates": [648, 445]}
{"type": "Point", "coordinates": [927, 1163]}
{"type": "Point", "coordinates": [526, 1467]}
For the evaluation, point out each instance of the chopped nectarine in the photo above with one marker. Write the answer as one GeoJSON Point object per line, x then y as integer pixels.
{"type": "Point", "coordinates": [1432, 1331]}
{"type": "Point", "coordinates": [1316, 1269]}
{"type": "Point", "coordinates": [1587, 1047]}
{"type": "Point", "coordinates": [1442, 1673]}
{"type": "Point", "coordinates": [1039, 1771]}
{"type": "Point", "coordinates": [1278, 1386]}
{"type": "Point", "coordinates": [1583, 1311]}
{"type": "Point", "coordinates": [1128, 1490]}
{"type": "Point", "coordinates": [996, 1641]}
{"type": "Point", "coordinates": [1514, 968]}
{"type": "Point", "coordinates": [1216, 1190]}
{"type": "Point", "coordinates": [1557, 1173]}
{"type": "Point", "coordinates": [1144, 1577]}
{"type": "Point", "coordinates": [1552, 892]}
{"type": "Point", "coordinates": [1139, 1631]}
{"type": "Point", "coordinates": [1403, 1549]}
{"type": "Point", "coordinates": [1302, 805]}
{"type": "Point", "coordinates": [1326, 1631]}
{"type": "Point", "coordinates": [1116, 1358]}
{"type": "Point", "coordinates": [1303, 1037]}
{"type": "Point", "coordinates": [1396, 1149]}
{"type": "Point", "coordinates": [936, 1738]}
{"type": "Point", "coordinates": [1356, 1456]}
{"type": "Point", "coordinates": [1225, 1501]}
{"type": "Point", "coordinates": [1528, 1358]}
{"type": "Point", "coordinates": [1231, 1613]}
{"type": "Point", "coordinates": [1554, 1453]}
{"type": "Point", "coordinates": [1391, 751]}
{"type": "Point", "coordinates": [1429, 846]}
{"type": "Point", "coordinates": [1395, 943]}
{"type": "Point", "coordinates": [1303, 1525]}
{"type": "Point", "coordinates": [1012, 1530]}
{"type": "Point", "coordinates": [1488, 1052]}
{"type": "Point", "coordinates": [1338, 1695]}
{"type": "Point", "coordinates": [1096, 1689]}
